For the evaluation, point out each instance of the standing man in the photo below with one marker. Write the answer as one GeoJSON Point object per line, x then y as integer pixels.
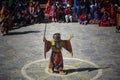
{"type": "Point", "coordinates": [56, 59]}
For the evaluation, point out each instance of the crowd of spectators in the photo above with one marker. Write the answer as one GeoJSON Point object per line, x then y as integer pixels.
{"type": "Point", "coordinates": [102, 12]}
{"type": "Point", "coordinates": [59, 10]}
{"type": "Point", "coordinates": [26, 12]}
{"type": "Point", "coordinates": [19, 13]}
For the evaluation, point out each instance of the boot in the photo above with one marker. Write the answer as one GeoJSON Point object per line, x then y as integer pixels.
{"type": "Point", "coordinates": [51, 70]}
{"type": "Point", "coordinates": [62, 73]}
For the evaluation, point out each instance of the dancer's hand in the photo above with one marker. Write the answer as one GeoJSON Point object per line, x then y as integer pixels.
{"type": "Point", "coordinates": [71, 36]}
{"type": "Point", "coordinates": [71, 55]}
{"type": "Point", "coordinates": [44, 39]}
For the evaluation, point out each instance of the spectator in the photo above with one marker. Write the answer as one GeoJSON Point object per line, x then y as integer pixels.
{"type": "Point", "coordinates": [53, 12]}
{"type": "Point", "coordinates": [77, 7]}
{"type": "Point", "coordinates": [105, 19]}
{"type": "Point", "coordinates": [92, 8]}
{"type": "Point", "coordinates": [51, 1]}
{"type": "Point", "coordinates": [47, 7]}
{"type": "Point", "coordinates": [39, 13]}
{"type": "Point", "coordinates": [65, 2]}
{"type": "Point", "coordinates": [3, 9]}
{"type": "Point", "coordinates": [106, 4]}
{"type": "Point", "coordinates": [18, 19]}
{"type": "Point", "coordinates": [96, 17]}
{"type": "Point", "coordinates": [112, 15]}
{"type": "Point", "coordinates": [31, 11]}
{"type": "Point", "coordinates": [60, 14]}
{"type": "Point", "coordinates": [6, 23]}
{"type": "Point", "coordinates": [83, 18]}
{"type": "Point", "coordinates": [68, 14]}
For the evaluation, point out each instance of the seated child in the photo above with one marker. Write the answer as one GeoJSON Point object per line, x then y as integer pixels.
{"type": "Point", "coordinates": [83, 19]}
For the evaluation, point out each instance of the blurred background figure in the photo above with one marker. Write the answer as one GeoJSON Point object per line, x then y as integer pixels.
{"type": "Point", "coordinates": [118, 18]}
{"type": "Point", "coordinates": [68, 14]}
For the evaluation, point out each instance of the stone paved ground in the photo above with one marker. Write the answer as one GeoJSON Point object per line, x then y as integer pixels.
{"type": "Point", "coordinates": [96, 53]}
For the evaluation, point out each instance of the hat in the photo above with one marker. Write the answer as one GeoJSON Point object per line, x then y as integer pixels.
{"type": "Point", "coordinates": [68, 5]}
{"type": "Point", "coordinates": [56, 36]}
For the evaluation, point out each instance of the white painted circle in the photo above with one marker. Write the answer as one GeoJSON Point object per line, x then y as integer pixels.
{"type": "Point", "coordinates": [23, 70]}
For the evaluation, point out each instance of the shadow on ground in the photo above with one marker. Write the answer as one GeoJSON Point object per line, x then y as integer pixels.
{"type": "Point", "coordinates": [24, 32]}
{"type": "Point", "coordinates": [83, 69]}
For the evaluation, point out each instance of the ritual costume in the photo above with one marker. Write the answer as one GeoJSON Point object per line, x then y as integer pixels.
{"type": "Point", "coordinates": [56, 59]}
{"type": "Point", "coordinates": [118, 20]}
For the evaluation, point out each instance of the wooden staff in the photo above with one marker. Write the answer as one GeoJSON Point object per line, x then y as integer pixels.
{"type": "Point", "coordinates": [45, 30]}
{"type": "Point", "coordinates": [44, 41]}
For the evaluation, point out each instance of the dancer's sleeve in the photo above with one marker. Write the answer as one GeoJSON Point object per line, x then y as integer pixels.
{"type": "Point", "coordinates": [47, 47]}
{"type": "Point", "coordinates": [67, 46]}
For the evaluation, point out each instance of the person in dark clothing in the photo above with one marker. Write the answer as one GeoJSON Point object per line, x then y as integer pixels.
{"type": "Point", "coordinates": [60, 14]}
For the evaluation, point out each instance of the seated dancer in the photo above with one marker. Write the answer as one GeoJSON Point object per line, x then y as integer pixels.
{"type": "Point", "coordinates": [56, 59]}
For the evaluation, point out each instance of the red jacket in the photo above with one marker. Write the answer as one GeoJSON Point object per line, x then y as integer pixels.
{"type": "Point", "coordinates": [83, 17]}
{"type": "Point", "coordinates": [68, 11]}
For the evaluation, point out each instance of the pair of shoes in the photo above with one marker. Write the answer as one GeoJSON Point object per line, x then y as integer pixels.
{"type": "Point", "coordinates": [55, 70]}
{"type": "Point", "coordinates": [62, 73]}
{"type": "Point", "coordinates": [51, 71]}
